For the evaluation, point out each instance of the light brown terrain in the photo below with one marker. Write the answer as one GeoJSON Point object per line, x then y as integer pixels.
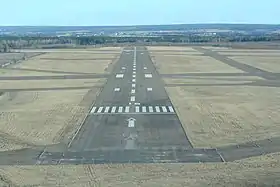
{"type": "Point", "coordinates": [48, 111]}
{"type": "Point", "coordinates": [214, 110]}
{"type": "Point", "coordinates": [247, 172]}
{"type": "Point", "coordinates": [222, 110]}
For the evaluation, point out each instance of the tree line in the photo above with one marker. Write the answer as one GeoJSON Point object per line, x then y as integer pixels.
{"type": "Point", "coordinates": [13, 42]}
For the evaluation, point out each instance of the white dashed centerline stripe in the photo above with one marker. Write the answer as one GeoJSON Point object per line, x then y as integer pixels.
{"type": "Point", "coordinates": [133, 85]}
{"type": "Point", "coordinates": [119, 76]}
{"type": "Point", "coordinates": [134, 69]}
{"type": "Point", "coordinates": [132, 98]}
{"type": "Point", "coordinates": [133, 76]}
{"type": "Point", "coordinates": [106, 109]}
{"type": "Point", "coordinates": [133, 91]}
{"type": "Point", "coordinates": [148, 75]}
{"type": "Point", "coordinates": [171, 109]}
{"type": "Point", "coordinates": [151, 109]}
{"type": "Point", "coordinates": [134, 72]}
{"type": "Point", "coordinates": [126, 109]}
{"type": "Point", "coordinates": [123, 67]}
{"type": "Point", "coordinates": [137, 109]}
{"type": "Point", "coordinates": [149, 89]}
{"type": "Point", "coordinates": [100, 110]}
{"type": "Point", "coordinates": [93, 109]}
{"type": "Point", "coordinates": [144, 109]}
{"type": "Point", "coordinates": [120, 109]}
{"type": "Point", "coordinates": [117, 89]}
{"type": "Point", "coordinates": [145, 68]}
{"type": "Point", "coordinates": [157, 109]}
{"type": "Point", "coordinates": [164, 109]}
{"type": "Point", "coordinates": [113, 109]}
{"type": "Point", "coordinates": [133, 80]}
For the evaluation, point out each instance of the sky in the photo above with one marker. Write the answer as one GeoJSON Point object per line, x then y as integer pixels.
{"type": "Point", "coordinates": [140, 12]}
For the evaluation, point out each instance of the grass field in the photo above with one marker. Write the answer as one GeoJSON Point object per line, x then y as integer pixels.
{"type": "Point", "coordinates": [267, 63]}
{"type": "Point", "coordinates": [53, 109]}
{"type": "Point", "coordinates": [222, 110]}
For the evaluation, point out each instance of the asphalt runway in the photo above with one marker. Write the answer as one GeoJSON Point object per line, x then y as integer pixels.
{"type": "Point", "coordinates": [132, 120]}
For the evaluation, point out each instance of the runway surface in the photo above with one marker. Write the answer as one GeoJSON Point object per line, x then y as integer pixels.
{"type": "Point", "coordinates": [132, 120]}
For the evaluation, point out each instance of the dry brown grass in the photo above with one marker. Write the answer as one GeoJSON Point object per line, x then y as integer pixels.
{"type": "Point", "coordinates": [61, 83]}
{"type": "Point", "coordinates": [268, 63]}
{"type": "Point", "coordinates": [170, 48]}
{"type": "Point", "coordinates": [187, 64]}
{"type": "Point", "coordinates": [214, 116]}
{"type": "Point", "coordinates": [249, 54]}
{"type": "Point", "coordinates": [37, 118]}
{"type": "Point", "coordinates": [46, 117]}
{"type": "Point", "coordinates": [78, 56]}
{"type": "Point", "coordinates": [263, 171]}
{"type": "Point", "coordinates": [82, 66]}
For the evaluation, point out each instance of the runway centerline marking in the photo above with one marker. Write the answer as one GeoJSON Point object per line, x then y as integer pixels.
{"type": "Point", "coordinates": [134, 69]}
{"type": "Point", "coordinates": [133, 76]}
{"type": "Point", "coordinates": [148, 75]}
{"type": "Point", "coordinates": [145, 68]}
{"type": "Point", "coordinates": [117, 89]}
{"type": "Point", "coordinates": [132, 98]}
{"type": "Point", "coordinates": [134, 72]}
{"type": "Point", "coordinates": [119, 76]}
{"type": "Point", "coordinates": [149, 89]}
{"type": "Point", "coordinates": [123, 67]}
{"type": "Point", "coordinates": [133, 91]}
{"type": "Point", "coordinates": [133, 80]}
{"type": "Point", "coordinates": [133, 85]}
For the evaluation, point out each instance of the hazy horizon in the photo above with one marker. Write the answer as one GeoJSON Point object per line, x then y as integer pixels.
{"type": "Point", "coordinates": [144, 12]}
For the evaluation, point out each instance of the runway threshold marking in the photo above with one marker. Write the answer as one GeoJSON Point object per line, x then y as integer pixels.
{"type": "Point", "coordinates": [133, 110]}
